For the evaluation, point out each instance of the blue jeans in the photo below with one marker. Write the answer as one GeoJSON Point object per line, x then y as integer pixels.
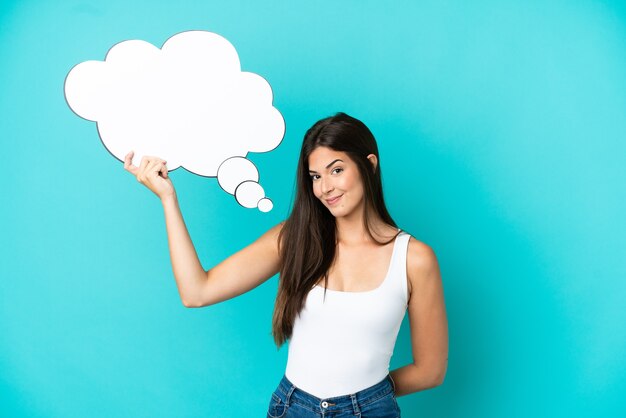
{"type": "Point", "coordinates": [377, 401]}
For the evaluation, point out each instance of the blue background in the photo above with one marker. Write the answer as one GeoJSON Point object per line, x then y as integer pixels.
{"type": "Point", "coordinates": [501, 128]}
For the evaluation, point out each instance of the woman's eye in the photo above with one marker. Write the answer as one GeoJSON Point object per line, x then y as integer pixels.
{"type": "Point", "coordinates": [338, 169]}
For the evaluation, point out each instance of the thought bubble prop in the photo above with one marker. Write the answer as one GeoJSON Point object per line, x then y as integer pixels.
{"type": "Point", "coordinates": [187, 102]}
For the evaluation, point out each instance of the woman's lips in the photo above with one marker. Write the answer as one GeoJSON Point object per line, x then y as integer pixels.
{"type": "Point", "coordinates": [333, 201]}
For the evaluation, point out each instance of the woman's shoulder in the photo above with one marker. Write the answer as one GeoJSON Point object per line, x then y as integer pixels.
{"type": "Point", "coordinates": [271, 238]}
{"type": "Point", "coordinates": [419, 253]}
{"type": "Point", "coordinates": [421, 261]}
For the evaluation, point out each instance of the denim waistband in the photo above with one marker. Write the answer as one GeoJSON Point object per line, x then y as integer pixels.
{"type": "Point", "coordinates": [352, 401]}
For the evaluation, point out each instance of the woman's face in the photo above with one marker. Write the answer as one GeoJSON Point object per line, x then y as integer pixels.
{"type": "Point", "coordinates": [336, 181]}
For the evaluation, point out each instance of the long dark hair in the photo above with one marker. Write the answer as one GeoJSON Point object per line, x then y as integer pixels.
{"type": "Point", "coordinates": [308, 236]}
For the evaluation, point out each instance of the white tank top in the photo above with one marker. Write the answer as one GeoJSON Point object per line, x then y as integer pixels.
{"type": "Point", "coordinates": [343, 344]}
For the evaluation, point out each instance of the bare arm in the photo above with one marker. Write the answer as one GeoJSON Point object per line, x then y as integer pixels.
{"type": "Point", "coordinates": [242, 271]}
{"type": "Point", "coordinates": [186, 266]}
{"type": "Point", "coordinates": [429, 326]}
{"type": "Point", "coordinates": [239, 273]}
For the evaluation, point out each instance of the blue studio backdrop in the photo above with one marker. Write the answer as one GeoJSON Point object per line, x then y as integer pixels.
{"type": "Point", "coordinates": [501, 128]}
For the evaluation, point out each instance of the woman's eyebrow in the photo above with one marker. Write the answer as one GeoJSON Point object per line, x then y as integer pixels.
{"type": "Point", "coordinates": [313, 171]}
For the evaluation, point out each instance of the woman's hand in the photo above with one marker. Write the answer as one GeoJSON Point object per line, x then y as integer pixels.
{"type": "Point", "coordinates": [152, 173]}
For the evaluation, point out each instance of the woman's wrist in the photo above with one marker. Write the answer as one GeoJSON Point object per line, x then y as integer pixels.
{"type": "Point", "coordinates": [169, 199]}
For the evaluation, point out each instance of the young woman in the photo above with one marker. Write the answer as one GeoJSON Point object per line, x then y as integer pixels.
{"type": "Point", "coordinates": [347, 277]}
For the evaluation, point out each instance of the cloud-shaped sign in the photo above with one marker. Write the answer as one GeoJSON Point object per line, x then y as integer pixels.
{"type": "Point", "coordinates": [187, 102]}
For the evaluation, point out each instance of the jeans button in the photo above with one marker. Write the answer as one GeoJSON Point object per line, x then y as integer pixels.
{"type": "Point", "coordinates": [325, 404]}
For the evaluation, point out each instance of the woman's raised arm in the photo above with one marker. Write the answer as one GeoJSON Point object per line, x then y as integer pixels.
{"type": "Point", "coordinates": [237, 274]}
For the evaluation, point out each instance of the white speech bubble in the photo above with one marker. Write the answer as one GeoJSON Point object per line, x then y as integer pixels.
{"type": "Point", "coordinates": [265, 205]}
{"type": "Point", "coordinates": [234, 171]}
{"type": "Point", "coordinates": [249, 194]}
{"type": "Point", "coordinates": [188, 103]}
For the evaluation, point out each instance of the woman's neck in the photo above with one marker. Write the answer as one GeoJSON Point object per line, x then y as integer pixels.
{"type": "Point", "coordinates": [351, 231]}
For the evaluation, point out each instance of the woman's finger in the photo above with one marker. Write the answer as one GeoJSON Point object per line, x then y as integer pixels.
{"type": "Point", "coordinates": [154, 168]}
{"type": "Point", "coordinates": [150, 168]}
{"type": "Point", "coordinates": [128, 163]}
{"type": "Point", "coordinates": [145, 161]}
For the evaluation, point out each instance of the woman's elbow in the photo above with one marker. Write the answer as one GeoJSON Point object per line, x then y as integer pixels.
{"type": "Point", "coordinates": [191, 304]}
{"type": "Point", "coordinates": [439, 377]}
{"type": "Point", "coordinates": [438, 381]}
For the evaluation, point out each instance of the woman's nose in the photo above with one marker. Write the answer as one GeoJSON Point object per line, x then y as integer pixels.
{"type": "Point", "coordinates": [326, 186]}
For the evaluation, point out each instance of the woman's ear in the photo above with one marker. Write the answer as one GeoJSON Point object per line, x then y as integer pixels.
{"type": "Point", "coordinates": [373, 160]}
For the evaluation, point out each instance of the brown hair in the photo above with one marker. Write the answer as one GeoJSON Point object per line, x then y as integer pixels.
{"type": "Point", "coordinates": [308, 236]}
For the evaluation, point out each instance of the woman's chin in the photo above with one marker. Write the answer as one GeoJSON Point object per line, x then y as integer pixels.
{"type": "Point", "coordinates": [338, 212]}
